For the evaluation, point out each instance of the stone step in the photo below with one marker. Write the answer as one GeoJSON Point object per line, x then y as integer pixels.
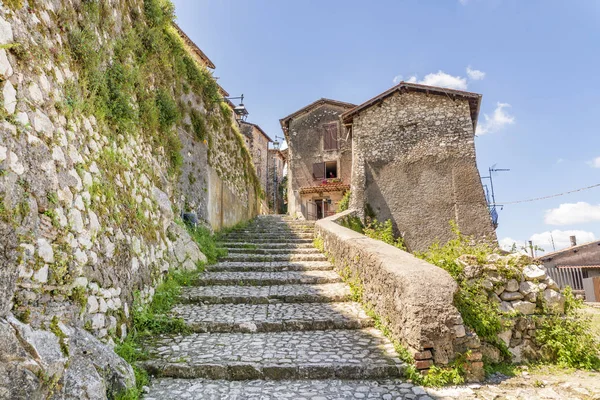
{"type": "Point", "coordinates": [283, 235]}
{"type": "Point", "coordinates": [274, 257]}
{"type": "Point", "coordinates": [344, 354]}
{"type": "Point", "coordinates": [252, 278]}
{"type": "Point", "coordinates": [260, 241]}
{"type": "Point", "coordinates": [284, 250]}
{"type": "Point", "coordinates": [330, 389]}
{"type": "Point", "coordinates": [271, 266]}
{"type": "Point", "coordinates": [268, 245]}
{"type": "Point", "coordinates": [272, 317]}
{"type": "Point", "coordinates": [322, 293]}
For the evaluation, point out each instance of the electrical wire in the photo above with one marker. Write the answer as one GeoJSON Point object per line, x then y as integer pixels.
{"type": "Point", "coordinates": [549, 197]}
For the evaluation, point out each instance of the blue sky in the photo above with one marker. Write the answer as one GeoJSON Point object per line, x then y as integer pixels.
{"type": "Point", "coordinates": [536, 63]}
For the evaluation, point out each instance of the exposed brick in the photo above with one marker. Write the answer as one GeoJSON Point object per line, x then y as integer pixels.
{"type": "Point", "coordinates": [423, 355]}
{"type": "Point", "coordinates": [423, 364]}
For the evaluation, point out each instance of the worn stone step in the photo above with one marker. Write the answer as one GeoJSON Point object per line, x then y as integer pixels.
{"type": "Point", "coordinates": [321, 293]}
{"type": "Point", "coordinates": [276, 251]}
{"type": "Point", "coordinates": [330, 389]}
{"type": "Point", "coordinates": [260, 241]}
{"type": "Point", "coordinates": [267, 278]}
{"type": "Point", "coordinates": [271, 266]}
{"type": "Point", "coordinates": [274, 257]}
{"type": "Point", "coordinates": [344, 354]}
{"type": "Point", "coordinates": [288, 235]}
{"type": "Point", "coordinates": [272, 317]}
{"type": "Point", "coordinates": [267, 245]}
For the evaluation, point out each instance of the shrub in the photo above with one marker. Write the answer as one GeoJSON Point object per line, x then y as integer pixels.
{"type": "Point", "coordinates": [344, 203]}
{"type": "Point", "coordinates": [568, 340]}
{"type": "Point", "coordinates": [207, 243]}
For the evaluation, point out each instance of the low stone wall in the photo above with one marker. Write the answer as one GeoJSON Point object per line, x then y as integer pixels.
{"type": "Point", "coordinates": [414, 297]}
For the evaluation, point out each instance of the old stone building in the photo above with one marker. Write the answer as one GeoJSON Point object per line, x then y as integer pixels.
{"type": "Point", "coordinates": [319, 158]}
{"type": "Point", "coordinates": [275, 167]}
{"type": "Point", "coordinates": [258, 144]}
{"type": "Point", "coordinates": [410, 154]}
{"type": "Point", "coordinates": [413, 155]}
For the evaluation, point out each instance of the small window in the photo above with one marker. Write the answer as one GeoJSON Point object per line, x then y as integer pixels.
{"type": "Point", "coordinates": [330, 136]}
{"type": "Point", "coordinates": [331, 169]}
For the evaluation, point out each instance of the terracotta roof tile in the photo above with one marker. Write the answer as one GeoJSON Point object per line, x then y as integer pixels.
{"type": "Point", "coordinates": [328, 187]}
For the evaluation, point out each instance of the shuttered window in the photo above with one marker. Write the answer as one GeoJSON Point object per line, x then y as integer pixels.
{"type": "Point", "coordinates": [318, 170]}
{"type": "Point", "coordinates": [330, 133]}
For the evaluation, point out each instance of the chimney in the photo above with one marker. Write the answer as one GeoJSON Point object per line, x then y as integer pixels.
{"type": "Point", "coordinates": [573, 241]}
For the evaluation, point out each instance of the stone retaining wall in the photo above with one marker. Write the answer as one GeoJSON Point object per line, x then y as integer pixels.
{"type": "Point", "coordinates": [414, 297]}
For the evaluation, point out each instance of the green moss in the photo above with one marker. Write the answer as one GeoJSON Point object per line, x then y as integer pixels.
{"type": "Point", "coordinates": [54, 328]}
{"type": "Point", "coordinates": [13, 4]}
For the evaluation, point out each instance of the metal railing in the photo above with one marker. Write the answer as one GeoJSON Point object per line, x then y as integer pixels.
{"type": "Point", "coordinates": [567, 276]}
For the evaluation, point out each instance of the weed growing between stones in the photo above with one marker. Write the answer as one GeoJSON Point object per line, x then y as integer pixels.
{"type": "Point", "coordinates": [374, 229]}
{"type": "Point", "coordinates": [207, 243]}
{"type": "Point", "coordinates": [568, 341]}
{"type": "Point", "coordinates": [565, 340]}
{"type": "Point", "coordinates": [151, 319]}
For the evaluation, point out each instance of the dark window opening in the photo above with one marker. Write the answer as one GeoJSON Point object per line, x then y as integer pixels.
{"type": "Point", "coordinates": [331, 169]}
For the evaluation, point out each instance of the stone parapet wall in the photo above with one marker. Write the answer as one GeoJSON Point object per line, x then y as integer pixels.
{"type": "Point", "coordinates": [413, 296]}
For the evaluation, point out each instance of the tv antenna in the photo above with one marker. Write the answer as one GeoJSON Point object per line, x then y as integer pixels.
{"type": "Point", "coordinates": [493, 171]}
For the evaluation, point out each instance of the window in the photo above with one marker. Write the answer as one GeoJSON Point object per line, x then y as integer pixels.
{"type": "Point", "coordinates": [326, 170]}
{"type": "Point", "coordinates": [331, 169]}
{"type": "Point", "coordinates": [330, 136]}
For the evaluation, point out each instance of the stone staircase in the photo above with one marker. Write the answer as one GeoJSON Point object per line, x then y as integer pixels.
{"type": "Point", "coordinates": [272, 320]}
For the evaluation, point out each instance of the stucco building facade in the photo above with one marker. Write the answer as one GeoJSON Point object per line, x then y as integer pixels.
{"type": "Point", "coordinates": [319, 158]}
{"type": "Point", "coordinates": [257, 142]}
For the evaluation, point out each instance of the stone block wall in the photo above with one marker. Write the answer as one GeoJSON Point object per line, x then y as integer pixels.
{"type": "Point", "coordinates": [414, 163]}
{"type": "Point", "coordinates": [107, 132]}
{"type": "Point", "coordinates": [414, 297]}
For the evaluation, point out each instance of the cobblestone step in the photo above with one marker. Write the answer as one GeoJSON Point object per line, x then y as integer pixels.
{"type": "Point", "coordinates": [280, 250]}
{"type": "Point", "coordinates": [274, 257]}
{"type": "Point", "coordinates": [249, 235]}
{"type": "Point", "coordinates": [261, 241]}
{"type": "Point", "coordinates": [253, 278]}
{"type": "Point", "coordinates": [268, 245]}
{"type": "Point", "coordinates": [273, 317]}
{"type": "Point", "coordinates": [344, 354]}
{"type": "Point", "coordinates": [323, 293]}
{"type": "Point", "coordinates": [332, 389]}
{"type": "Point", "coordinates": [271, 266]}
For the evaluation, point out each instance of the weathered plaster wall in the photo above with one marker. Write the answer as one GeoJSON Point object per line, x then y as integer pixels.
{"type": "Point", "coordinates": [305, 147]}
{"type": "Point", "coordinates": [414, 163]}
{"type": "Point", "coordinates": [275, 176]}
{"type": "Point", "coordinates": [96, 160]}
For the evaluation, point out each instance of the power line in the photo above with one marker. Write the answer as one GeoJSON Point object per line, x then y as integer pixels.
{"type": "Point", "coordinates": [551, 196]}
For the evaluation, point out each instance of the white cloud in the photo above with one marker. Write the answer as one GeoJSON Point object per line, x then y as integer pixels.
{"type": "Point", "coordinates": [560, 161]}
{"type": "Point", "coordinates": [595, 163]}
{"type": "Point", "coordinates": [475, 74]}
{"type": "Point", "coordinates": [499, 119]}
{"type": "Point", "coordinates": [441, 79]}
{"type": "Point", "coordinates": [572, 213]}
{"type": "Point", "coordinates": [561, 239]}
{"type": "Point", "coordinates": [397, 79]}
{"type": "Point", "coordinates": [507, 244]}
{"type": "Point", "coordinates": [463, 2]}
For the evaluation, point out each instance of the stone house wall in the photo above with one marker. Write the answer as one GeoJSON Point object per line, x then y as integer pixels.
{"type": "Point", "coordinates": [275, 167]}
{"type": "Point", "coordinates": [305, 139]}
{"type": "Point", "coordinates": [259, 148]}
{"type": "Point", "coordinates": [414, 163]}
{"type": "Point", "coordinates": [583, 254]}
